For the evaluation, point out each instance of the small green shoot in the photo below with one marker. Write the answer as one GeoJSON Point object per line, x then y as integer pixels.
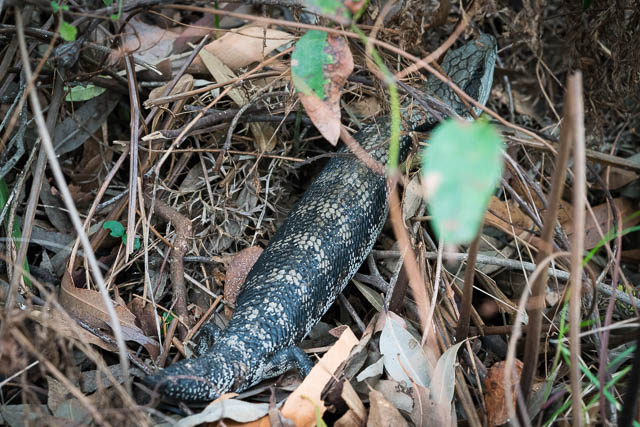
{"type": "Point", "coordinates": [117, 230]}
{"type": "Point", "coordinates": [67, 31]}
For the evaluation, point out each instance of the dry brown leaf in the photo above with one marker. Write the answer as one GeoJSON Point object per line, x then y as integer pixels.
{"type": "Point", "coordinates": [353, 402]}
{"type": "Point", "coordinates": [604, 219]}
{"type": "Point", "coordinates": [185, 83]}
{"type": "Point", "coordinates": [148, 43]}
{"type": "Point", "coordinates": [301, 410]}
{"type": "Point", "coordinates": [494, 392]}
{"type": "Point", "coordinates": [241, 47]}
{"type": "Point", "coordinates": [325, 114]}
{"type": "Point", "coordinates": [145, 315]}
{"type": "Point", "coordinates": [348, 419]}
{"type": "Point", "coordinates": [54, 319]}
{"type": "Point", "coordinates": [505, 215]}
{"type": "Point", "coordinates": [88, 306]}
{"type": "Point", "coordinates": [382, 413]}
{"type": "Point", "coordinates": [237, 272]}
{"type": "Point", "coordinates": [425, 411]}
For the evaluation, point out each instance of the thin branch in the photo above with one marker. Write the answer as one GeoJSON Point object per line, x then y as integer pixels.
{"type": "Point", "coordinates": [575, 118]}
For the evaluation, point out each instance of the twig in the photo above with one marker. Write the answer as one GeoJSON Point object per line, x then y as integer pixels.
{"type": "Point", "coordinates": [184, 231]}
{"type": "Point", "coordinates": [534, 309]}
{"type": "Point", "coordinates": [462, 330]}
{"type": "Point", "coordinates": [575, 120]}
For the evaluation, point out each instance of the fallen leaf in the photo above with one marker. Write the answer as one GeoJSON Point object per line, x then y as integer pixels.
{"type": "Point", "coordinates": [302, 411]}
{"type": "Point", "coordinates": [382, 413]}
{"type": "Point", "coordinates": [425, 411]}
{"type": "Point", "coordinates": [494, 392]}
{"type": "Point", "coordinates": [443, 383]}
{"type": "Point", "coordinates": [243, 46]}
{"type": "Point", "coordinates": [232, 409]}
{"type": "Point", "coordinates": [238, 270]}
{"type": "Point", "coordinates": [404, 358]}
{"type": "Point", "coordinates": [53, 318]}
{"type": "Point", "coordinates": [88, 305]}
{"type": "Point", "coordinates": [148, 43]}
{"type": "Point", "coordinates": [395, 393]}
{"type": "Point", "coordinates": [604, 219]}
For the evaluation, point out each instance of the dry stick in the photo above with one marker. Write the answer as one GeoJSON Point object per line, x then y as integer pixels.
{"type": "Point", "coordinates": [184, 231]}
{"type": "Point", "coordinates": [68, 201]}
{"type": "Point", "coordinates": [40, 165]}
{"type": "Point", "coordinates": [534, 309]}
{"type": "Point", "coordinates": [166, 99]}
{"type": "Point", "coordinates": [462, 330]}
{"type": "Point", "coordinates": [134, 106]}
{"type": "Point", "coordinates": [413, 271]}
{"type": "Point", "coordinates": [575, 121]}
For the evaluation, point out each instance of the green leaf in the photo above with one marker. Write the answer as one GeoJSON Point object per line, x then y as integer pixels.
{"type": "Point", "coordinates": [107, 2]}
{"type": "Point", "coordinates": [55, 6]}
{"type": "Point", "coordinates": [307, 64]}
{"type": "Point", "coordinates": [461, 169]}
{"type": "Point", "coordinates": [136, 242]}
{"type": "Point", "coordinates": [67, 31]}
{"type": "Point", "coordinates": [117, 229]}
{"type": "Point", "coordinates": [333, 9]}
{"type": "Point", "coordinates": [84, 93]}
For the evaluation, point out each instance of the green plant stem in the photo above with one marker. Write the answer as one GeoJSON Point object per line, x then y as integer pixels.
{"type": "Point", "coordinates": [389, 80]}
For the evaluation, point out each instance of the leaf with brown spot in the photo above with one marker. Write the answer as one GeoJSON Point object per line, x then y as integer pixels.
{"type": "Point", "coordinates": [320, 65]}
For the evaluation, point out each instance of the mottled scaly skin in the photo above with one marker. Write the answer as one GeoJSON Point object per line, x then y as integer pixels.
{"type": "Point", "coordinates": [312, 256]}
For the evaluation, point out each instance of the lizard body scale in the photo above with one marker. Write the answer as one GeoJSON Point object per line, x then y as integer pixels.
{"type": "Point", "coordinates": [318, 248]}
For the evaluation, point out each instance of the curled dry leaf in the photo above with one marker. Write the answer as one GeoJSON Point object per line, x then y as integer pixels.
{"type": "Point", "coordinates": [88, 305]}
{"type": "Point", "coordinates": [494, 392]}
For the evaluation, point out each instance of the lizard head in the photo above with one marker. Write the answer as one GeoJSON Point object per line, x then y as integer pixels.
{"type": "Point", "coordinates": [202, 379]}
